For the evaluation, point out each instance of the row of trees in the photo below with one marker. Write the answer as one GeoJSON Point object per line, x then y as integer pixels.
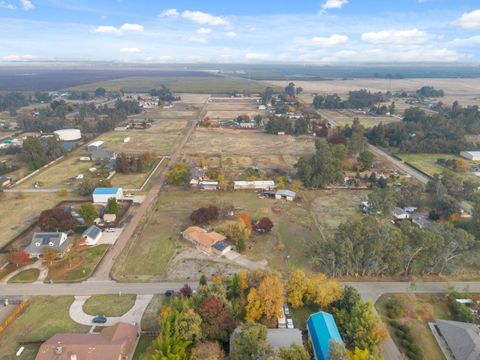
{"type": "Point", "coordinates": [37, 151]}
{"type": "Point", "coordinates": [126, 164]}
{"type": "Point", "coordinates": [356, 99]}
{"type": "Point", "coordinates": [297, 127]}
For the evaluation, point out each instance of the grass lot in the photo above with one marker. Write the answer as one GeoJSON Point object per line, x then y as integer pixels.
{"type": "Point", "coordinates": [428, 164]}
{"type": "Point", "coordinates": [203, 85]}
{"type": "Point", "coordinates": [109, 305]}
{"type": "Point", "coordinates": [161, 138]}
{"type": "Point", "coordinates": [18, 211]}
{"type": "Point", "coordinates": [301, 315]}
{"type": "Point", "coordinates": [27, 276]}
{"type": "Point", "coordinates": [149, 318]}
{"type": "Point", "coordinates": [143, 350]}
{"type": "Point", "coordinates": [44, 317]}
{"type": "Point", "coordinates": [367, 121]}
{"type": "Point", "coordinates": [418, 311]}
{"type": "Point", "coordinates": [297, 226]}
{"type": "Point", "coordinates": [78, 267]}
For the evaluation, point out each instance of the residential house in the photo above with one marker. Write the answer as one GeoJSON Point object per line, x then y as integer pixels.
{"type": "Point", "coordinates": [101, 195]}
{"type": "Point", "coordinates": [322, 330]}
{"type": "Point", "coordinates": [202, 238]}
{"type": "Point", "coordinates": [221, 248]}
{"type": "Point", "coordinates": [254, 185]}
{"type": "Point", "coordinates": [279, 338]}
{"type": "Point", "coordinates": [285, 194]}
{"type": "Point", "coordinates": [5, 181]}
{"type": "Point", "coordinates": [400, 214]}
{"type": "Point", "coordinates": [117, 342]}
{"type": "Point", "coordinates": [458, 340]}
{"type": "Point", "coordinates": [208, 185]}
{"type": "Point", "coordinates": [57, 241]}
{"type": "Point", "coordinates": [92, 235]}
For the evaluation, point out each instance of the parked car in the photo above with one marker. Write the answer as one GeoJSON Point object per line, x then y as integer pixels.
{"type": "Point", "coordinates": [99, 319]}
{"type": "Point", "coordinates": [109, 230]}
{"type": "Point", "coordinates": [286, 309]}
{"type": "Point", "coordinates": [290, 323]}
{"type": "Point", "coordinates": [169, 293]}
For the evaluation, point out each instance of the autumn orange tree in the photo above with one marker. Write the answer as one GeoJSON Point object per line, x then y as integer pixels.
{"type": "Point", "coordinates": [267, 300]}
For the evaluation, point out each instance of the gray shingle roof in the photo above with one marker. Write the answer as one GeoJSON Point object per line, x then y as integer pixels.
{"type": "Point", "coordinates": [42, 240]}
{"type": "Point", "coordinates": [463, 339]}
{"type": "Point", "coordinates": [92, 232]}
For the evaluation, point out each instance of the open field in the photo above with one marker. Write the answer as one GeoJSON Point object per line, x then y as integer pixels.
{"type": "Point", "coordinates": [344, 117]}
{"type": "Point", "coordinates": [161, 138]}
{"type": "Point", "coordinates": [109, 305]}
{"type": "Point", "coordinates": [246, 148]}
{"type": "Point", "coordinates": [466, 91]}
{"type": "Point", "coordinates": [180, 84]}
{"type": "Point", "coordinates": [428, 164]}
{"type": "Point", "coordinates": [298, 225]}
{"type": "Point", "coordinates": [418, 310]}
{"type": "Point", "coordinates": [231, 108]}
{"type": "Point", "coordinates": [18, 211]}
{"type": "Point", "coordinates": [44, 317]}
{"type": "Point", "coordinates": [26, 276]}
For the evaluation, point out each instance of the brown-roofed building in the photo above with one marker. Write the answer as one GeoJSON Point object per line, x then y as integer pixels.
{"type": "Point", "coordinates": [202, 237]}
{"type": "Point", "coordinates": [117, 342]}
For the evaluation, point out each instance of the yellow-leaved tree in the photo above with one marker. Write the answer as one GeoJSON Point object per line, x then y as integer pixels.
{"type": "Point", "coordinates": [266, 300]}
{"type": "Point", "coordinates": [296, 287]}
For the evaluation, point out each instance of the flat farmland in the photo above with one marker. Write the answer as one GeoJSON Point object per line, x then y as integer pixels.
{"type": "Point", "coordinates": [18, 211]}
{"type": "Point", "coordinates": [161, 138]}
{"type": "Point", "coordinates": [297, 226]}
{"type": "Point", "coordinates": [231, 108]}
{"type": "Point", "coordinates": [466, 91]}
{"type": "Point", "coordinates": [248, 147]}
{"type": "Point", "coordinates": [346, 117]}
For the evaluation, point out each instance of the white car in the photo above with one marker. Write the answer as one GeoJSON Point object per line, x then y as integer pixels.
{"type": "Point", "coordinates": [109, 230]}
{"type": "Point", "coordinates": [290, 323]}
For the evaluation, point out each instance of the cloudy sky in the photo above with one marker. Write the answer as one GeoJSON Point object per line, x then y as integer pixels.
{"type": "Point", "coordinates": [222, 31]}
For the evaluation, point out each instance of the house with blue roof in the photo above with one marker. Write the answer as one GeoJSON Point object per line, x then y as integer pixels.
{"type": "Point", "coordinates": [322, 330]}
{"type": "Point", "coordinates": [101, 195]}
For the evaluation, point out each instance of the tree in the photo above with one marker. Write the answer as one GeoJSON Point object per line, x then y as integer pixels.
{"type": "Point", "coordinates": [296, 288]}
{"type": "Point", "coordinates": [250, 342]}
{"type": "Point", "coordinates": [100, 92]}
{"type": "Point", "coordinates": [207, 351]}
{"type": "Point", "coordinates": [290, 89]}
{"type": "Point", "coordinates": [189, 325]}
{"type": "Point", "coordinates": [267, 300]}
{"type": "Point", "coordinates": [217, 320]}
{"type": "Point", "coordinates": [203, 216]}
{"type": "Point", "coordinates": [264, 225]}
{"type": "Point", "coordinates": [17, 258]}
{"type": "Point", "coordinates": [85, 187]}
{"type": "Point", "coordinates": [112, 206]}
{"type": "Point", "coordinates": [50, 255]}
{"type": "Point", "coordinates": [366, 158]}
{"type": "Point", "coordinates": [170, 345]}
{"type": "Point", "coordinates": [57, 219]}
{"type": "Point", "coordinates": [211, 290]}
{"type": "Point", "coordinates": [203, 280]}
{"type": "Point", "coordinates": [178, 175]}
{"type": "Point", "coordinates": [383, 200]}
{"type": "Point", "coordinates": [323, 291]}
{"type": "Point", "coordinates": [336, 351]}
{"type": "Point", "coordinates": [88, 212]}
{"type": "Point", "coordinates": [186, 290]}
{"type": "Point", "coordinates": [294, 352]}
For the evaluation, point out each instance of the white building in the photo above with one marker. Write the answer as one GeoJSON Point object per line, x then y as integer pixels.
{"type": "Point", "coordinates": [69, 134]}
{"type": "Point", "coordinates": [471, 155]}
{"type": "Point", "coordinates": [92, 235]}
{"type": "Point", "coordinates": [101, 195]}
{"type": "Point", "coordinates": [96, 146]}
{"type": "Point", "coordinates": [254, 185]}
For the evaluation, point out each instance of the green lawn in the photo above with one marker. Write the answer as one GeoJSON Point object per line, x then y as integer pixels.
{"type": "Point", "coordinates": [301, 315]}
{"type": "Point", "coordinates": [149, 318]}
{"type": "Point", "coordinates": [44, 317]}
{"type": "Point", "coordinates": [78, 268]}
{"type": "Point", "coordinates": [143, 350]}
{"type": "Point", "coordinates": [203, 85]}
{"type": "Point", "coordinates": [418, 311]}
{"type": "Point", "coordinates": [27, 276]}
{"type": "Point", "coordinates": [366, 121]}
{"type": "Point", "coordinates": [109, 305]}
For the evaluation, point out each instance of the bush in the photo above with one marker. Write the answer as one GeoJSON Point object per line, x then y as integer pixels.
{"type": "Point", "coordinates": [203, 216]}
{"type": "Point", "coordinates": [394, 308]}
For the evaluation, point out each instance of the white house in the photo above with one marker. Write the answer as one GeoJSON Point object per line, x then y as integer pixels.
{"type": "Point", "coordinates": [254, 185]}
{"type": "Point", "coordinates": [101, 195]}
{"type": "Point", "coordinates": [400, 214]}
{"type": "Point", "coordinates": [471, 155]}
{"type": "Point", "coordinates": [285, 194]}
{"type": "Point", "coordinates": [92, 235]}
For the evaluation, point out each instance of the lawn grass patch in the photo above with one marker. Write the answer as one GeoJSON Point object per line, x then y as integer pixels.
{"type": "Point", "coordinates": [149, 319]}
{"type": "Point", "coordinates": [109, 305]}
{"type": "Point", "coordinates": [366, 121]}
{"type": "Point", "coordinates": [44, 316]}
{"type": "Point", "coordinates": [26, 276]}
{"type": "Point", "coordinates": [301, 315]}
{"type": "Point", "coordinates": [144, 349]}
{"type": "Point", "coordinates": [78, 268]}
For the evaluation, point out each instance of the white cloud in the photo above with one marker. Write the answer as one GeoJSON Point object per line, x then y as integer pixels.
{"type": "Point", "coordinates": [412, 36]}
{"type": "Point", "coordinates": [466, 42]}
{"type": "Point", "coordinates": [8, 6]}
{"type": "Point", "coordinates": [15, 58]}
{"type": "Point", "coordinates": [130, 50]}
{"type": "Point", "coordinates": [112, 30]}
{"type": "Point", "coordinates": [256, 56]}
{"type": "Point", "coordinates": [27, 5]}
{"type": "Point", "coordinates": [470, 20]}
{"type": "Point", "coordinates": [131, 27]}
{"type": "Point", "coordinates": [203, 18]}
{"type": "Point", "coordinates": [197, 39]}
{"type": "Point", "coordinates": [203, 30]}
{"type": "Point", "coordinates": [332, 40]}
{"type": "Point", "coordinates": [231, 34]}
{"type": "Point", "coordinates": [334, 4]}
{"type": "Point", "coordinates": [169, 13]}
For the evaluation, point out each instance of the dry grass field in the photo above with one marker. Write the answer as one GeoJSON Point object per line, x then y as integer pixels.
{"type": "Point", "coordinates": [231, 108]}
{"type": "Point", "coordinates": [466, 91]}
{"type": "Point", "coordinates": [344, 117]}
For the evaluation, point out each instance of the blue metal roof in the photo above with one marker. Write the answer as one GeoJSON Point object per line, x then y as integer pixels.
{"type": "Point", "coordinates": [105, 191]}
{"type": "Point", "coordinates": [220, 246]}
{"type": "Point", "coordinates": [322, 329]}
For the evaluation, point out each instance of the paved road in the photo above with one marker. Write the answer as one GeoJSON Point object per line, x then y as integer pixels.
{"type": "Point", "coordinates": [139, 212]}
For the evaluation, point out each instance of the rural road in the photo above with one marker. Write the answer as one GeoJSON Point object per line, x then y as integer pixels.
{"type": "Point", "coordinates": [102, 272]}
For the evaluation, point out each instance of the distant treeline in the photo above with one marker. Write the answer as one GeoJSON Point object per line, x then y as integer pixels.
{"type": "Point", "coordinates": [356, 99]}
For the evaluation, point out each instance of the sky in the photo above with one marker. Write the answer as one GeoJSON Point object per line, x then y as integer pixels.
{"type": "Point", "coordinates": [245, 31]}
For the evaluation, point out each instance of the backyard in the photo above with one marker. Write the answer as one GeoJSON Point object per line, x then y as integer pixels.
{"type": "Point", "coordinates": [44, 316]}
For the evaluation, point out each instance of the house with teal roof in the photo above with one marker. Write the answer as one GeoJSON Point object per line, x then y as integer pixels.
{"type": "Point", "coordinates": [322, 330]}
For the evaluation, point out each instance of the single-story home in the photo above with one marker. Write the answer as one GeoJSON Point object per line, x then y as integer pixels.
{"type": "Point", "coordinates": [471, 155]}
{"type": "Point", "coordinates": [322, 330]}
{"type": "Point", "coordinates": [112, 343]}
{"type": "Point", "coordinates": [58, 241]}
{"type": "Point", "coordinates": [460, 340]}
{"type": "Point", "coordinates": [400, 214]}
{"type": "Point", "coordinates": [279, 338]}
{"type": "Point", "coordinates": [221, 248]}
{"type": "Point", "coordinates": [202, 238]}
{"type": "Point", "coordinates": [254, 185]}
{"type": "Point", "coordinates": [92, 235]}
{"type": "Point", "coordinates": [285, 194]}
{"type": "Point", "coordinates": [208, 185]}
{"type": "Point", "coordinates": [101, 195]}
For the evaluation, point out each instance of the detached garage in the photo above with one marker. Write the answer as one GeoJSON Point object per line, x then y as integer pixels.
{"type": "Point", "coordinates": [101, 195]}
{"type": "Point", "coordinates": [471, 155]}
